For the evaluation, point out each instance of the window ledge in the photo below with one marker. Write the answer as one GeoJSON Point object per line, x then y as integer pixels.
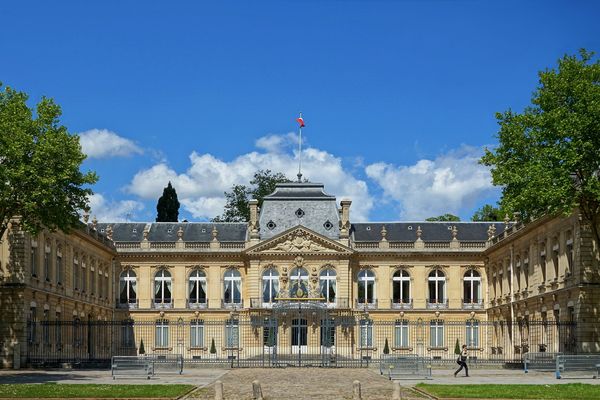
{"type": "Point", "coordinates": [232, 348]}
{"type": "Point", "coordinates": [402, 348]}
{"type": "Point", "coordinates": [162, 348]}
{"type": "Point", "coordinates": [366, 348]}
{"type": "Point", "coordinates": [194, 348]}
{"type": "Point", "coordinates": [437, 348]}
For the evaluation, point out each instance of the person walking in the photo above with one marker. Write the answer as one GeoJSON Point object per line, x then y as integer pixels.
{"type": "Point", "coordinates": [462, 361]}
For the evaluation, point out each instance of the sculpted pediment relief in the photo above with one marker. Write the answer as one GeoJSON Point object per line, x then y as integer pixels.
{"type": "Point", "coordinates": [299, 240]}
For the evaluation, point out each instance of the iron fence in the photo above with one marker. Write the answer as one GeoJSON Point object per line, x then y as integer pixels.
{"type": "Point", "coordinates": [293, 335]}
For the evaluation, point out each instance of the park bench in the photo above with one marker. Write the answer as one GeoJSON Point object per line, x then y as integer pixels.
{"type": "Point", "coordinates": [539, 361]}
{"type": "Point", "coordinates": [405, 366]}
{"type": "Point", "coordinates": [578, 363]}
{"type": "Point", "coordinates": [131, 366]}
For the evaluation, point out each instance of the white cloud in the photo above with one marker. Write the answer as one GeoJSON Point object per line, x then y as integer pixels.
{"type": "Point", "coordinates": [200, 189]}
{"type": "Point", "coordinates": [102, 143]}
{"type": "Point", "coordinates": [449, 183]}
{"type": "Point", "coordinates": [113, 211]}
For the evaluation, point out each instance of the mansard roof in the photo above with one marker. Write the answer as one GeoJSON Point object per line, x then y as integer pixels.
{"type": "Point", "coordinates": [430, 231]}
{"type": "Point", "coordinates": [167, 231]}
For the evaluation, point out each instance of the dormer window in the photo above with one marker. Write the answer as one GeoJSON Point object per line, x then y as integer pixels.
{"type": "Point", "coordinates": [299, 213]}
{"type": "Point", "coordinates": [134, 230]}
{"type": "Point", "coordinates": [271, 225]}
{"type": "Point", "coordinates": [328, 225]}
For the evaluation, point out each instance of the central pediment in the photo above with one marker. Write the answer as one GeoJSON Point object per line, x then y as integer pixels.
{"type": "Point", "coordinates": [299, 240]}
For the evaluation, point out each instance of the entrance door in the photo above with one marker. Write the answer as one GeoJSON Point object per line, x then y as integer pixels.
{"type": "Point", "coordinates": [299, 335]}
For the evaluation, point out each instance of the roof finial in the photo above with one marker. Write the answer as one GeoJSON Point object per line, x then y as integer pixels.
{"type": "Point", "coordinates": [300, 121]}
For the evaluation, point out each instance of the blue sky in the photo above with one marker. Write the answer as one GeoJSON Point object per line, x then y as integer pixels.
{"type": "Point", "coordinates": [399, 97]}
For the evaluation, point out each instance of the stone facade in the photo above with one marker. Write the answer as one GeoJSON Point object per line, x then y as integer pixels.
{"type": "Point", "coordinates": [302, 248]}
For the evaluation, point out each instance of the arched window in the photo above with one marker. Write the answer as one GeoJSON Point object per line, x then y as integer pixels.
{"type": "Point", "coordinates": [299, 283]}
{"type": "Point", "coordinates": [270, 282]}
{"type": "Point", "coordinates": [327, 285]}
{"type": "Point", "coordinates": [162, 287]}
{"type": "Point", "coordinates": [401, 287]}
{"type": "Point", "coordinates": [197, 288]}
{"type": "Point", "coordinates": [437, 287]}
{"type": "Point", "coordinates": [127, 288]}
{"type": "Point", "coordinates": [366, 287]}
{"type": "Point", "coordinates": [472, 287]}
{"type": "Point", "coordinates": [232, 287]}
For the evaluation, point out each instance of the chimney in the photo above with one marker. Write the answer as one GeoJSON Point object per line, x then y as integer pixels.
{"type": "Point", "coordinates": [253, 204]}
{"type": "Point", "coordinates": [345, 219]}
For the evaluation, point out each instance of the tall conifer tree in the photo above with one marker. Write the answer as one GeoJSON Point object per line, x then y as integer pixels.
{"type": "Point", "coordinates": [168, 206]}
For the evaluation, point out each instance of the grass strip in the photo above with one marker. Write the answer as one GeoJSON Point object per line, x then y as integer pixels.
{"type": "Point", "coordinates": [578, 391]}
{"type": "Point", "coordinates": [54, 390]}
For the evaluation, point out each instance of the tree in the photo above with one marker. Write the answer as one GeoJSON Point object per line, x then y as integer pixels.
{"type": "Point", "coordinates": [142, 350]}
{"type": "Point", "coordinates": [457, 347]}
{"type": "Point", "coordinates": [262, 184]}
{"type": "Point", "coordinates": [445, 217]}
{"type": "Point", "coordinates": [547, 158]}
{"type": "Point", "coordinates": [213, 348]}
{"type": "Point", "coordinates": [40, 176]}
{"type": "Point", "coordinates": [488, 213]}
{"type": "Point", "coordinates": [386, 347]}
{"type": "Point", "coordinates": [168, 206]}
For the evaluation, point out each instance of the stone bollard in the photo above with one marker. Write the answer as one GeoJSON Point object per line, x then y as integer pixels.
{"type": "Point", "coordinates": [218, 390]}
{"type": "Point", "coordinates": [356, 395]}
{"type": "Point", "coordinates": [256, 390]}
{"type": "Point", "coordinates": [397, 394]}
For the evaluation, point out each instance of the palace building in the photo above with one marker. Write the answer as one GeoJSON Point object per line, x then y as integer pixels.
{"type": "Point", "coordinates": [298, 284]}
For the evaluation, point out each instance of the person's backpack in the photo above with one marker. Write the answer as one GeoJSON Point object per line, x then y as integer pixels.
{"type": "Point", "coordinates": [458, 359]}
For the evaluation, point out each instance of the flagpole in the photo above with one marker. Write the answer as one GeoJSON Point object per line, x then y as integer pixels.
{"type": "Point", "coordinates": [300, 153]}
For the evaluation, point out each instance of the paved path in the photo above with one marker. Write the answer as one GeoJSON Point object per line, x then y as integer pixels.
{"type": "Point", "coordinates": [286, 383]}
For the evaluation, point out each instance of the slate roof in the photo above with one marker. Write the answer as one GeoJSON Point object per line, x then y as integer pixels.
{"type": "Point", "coordinates": [431, 231]}
{"type": "Point", "coordinates": [299, 191]}
{"type": "Point", "coordinates": [167, 231]}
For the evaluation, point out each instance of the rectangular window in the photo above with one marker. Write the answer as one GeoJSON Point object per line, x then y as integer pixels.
{"type": "Point", "coordinates": [59, 269]}
{"type": "Point", "coordinates": [436, 333]}
{"type": "Point", "coordinates": [366, 333]}
{"type": "Point", "coordinates": [401, 333]}
{"type": "Point", "coordinates": [33, 260]}
{"type": "Point", "coordinates": [162, 333]}
{"type": "Point", "coordinates": [232, 333]}
{"type": "Point", "coordinates": [472, 334]}
{"type": "Point", "coordinates": [127, 334]}
{"type": "Point", "coordinates": [46, 328]}
{"type": "Point", "coordinates": [328, 332]}
{"type": "Point", "coordinates": [83, 277]}
{"type": "Point", "coordinates": [32, 325]}
{"type": "Point", "coordinates": [58, 331]}
{"type": "Point", "coordinates": [270, 332]}
{"type": "Point", "coordinates": [75, 274]}
{"type": "Point", "coordinates": [93, 281]}
{"type": "Point", "coordinates": [197, 333]}
{"type": "Point", "coordinates": [47, 264]}
{"type": "Point", "coordinates": [570, 257]}
{"type": "Point", "coordinates": [77, 332]}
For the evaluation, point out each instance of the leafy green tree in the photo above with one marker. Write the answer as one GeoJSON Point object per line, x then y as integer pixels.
{"type": "Point", "coordinates": [547, 160]}
{"type": "Point", "coordinates": [40, 176]}
{"type": "Point", "coordinates": [142, 350]}
{"type": "Point", "coordinates": [213, 348]}
{"type": "Point", "coordinates": [445, 217]}
{"type": "Point", "coordinates": [236, 206]}
{"type": "Point", "coordinates": [386, 347]}
{"type": "Point", "coordinates": [167, 207]}
{"type": "Point", "coordinates": [488, 213]}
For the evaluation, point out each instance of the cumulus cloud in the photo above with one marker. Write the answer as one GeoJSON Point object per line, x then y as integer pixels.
{"type": "Point", "coordinates": [102, 143]}
{"type": "Point", "coordinates": [201, 187]}
{"type": "Point", "coordinates": [113, 211]}
{"type": "Point", "coordinates": [449, 183]}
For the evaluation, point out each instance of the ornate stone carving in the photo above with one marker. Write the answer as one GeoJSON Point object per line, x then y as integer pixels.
{"type": "Point", "coordinates": [301, 242]}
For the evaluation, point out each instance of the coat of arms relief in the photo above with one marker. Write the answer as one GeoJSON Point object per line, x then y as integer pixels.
{"type": "Point", "coordinates": [299, 242]}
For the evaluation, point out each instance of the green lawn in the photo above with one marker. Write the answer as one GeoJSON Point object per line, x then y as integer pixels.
{"type": "Point", "coordinates": [578, 391]}
{"type": "Point", "coordinates": [53, 390]}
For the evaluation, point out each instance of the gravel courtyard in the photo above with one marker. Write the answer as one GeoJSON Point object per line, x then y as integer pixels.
{"type": "Point", "coordinates": [304, 384]}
